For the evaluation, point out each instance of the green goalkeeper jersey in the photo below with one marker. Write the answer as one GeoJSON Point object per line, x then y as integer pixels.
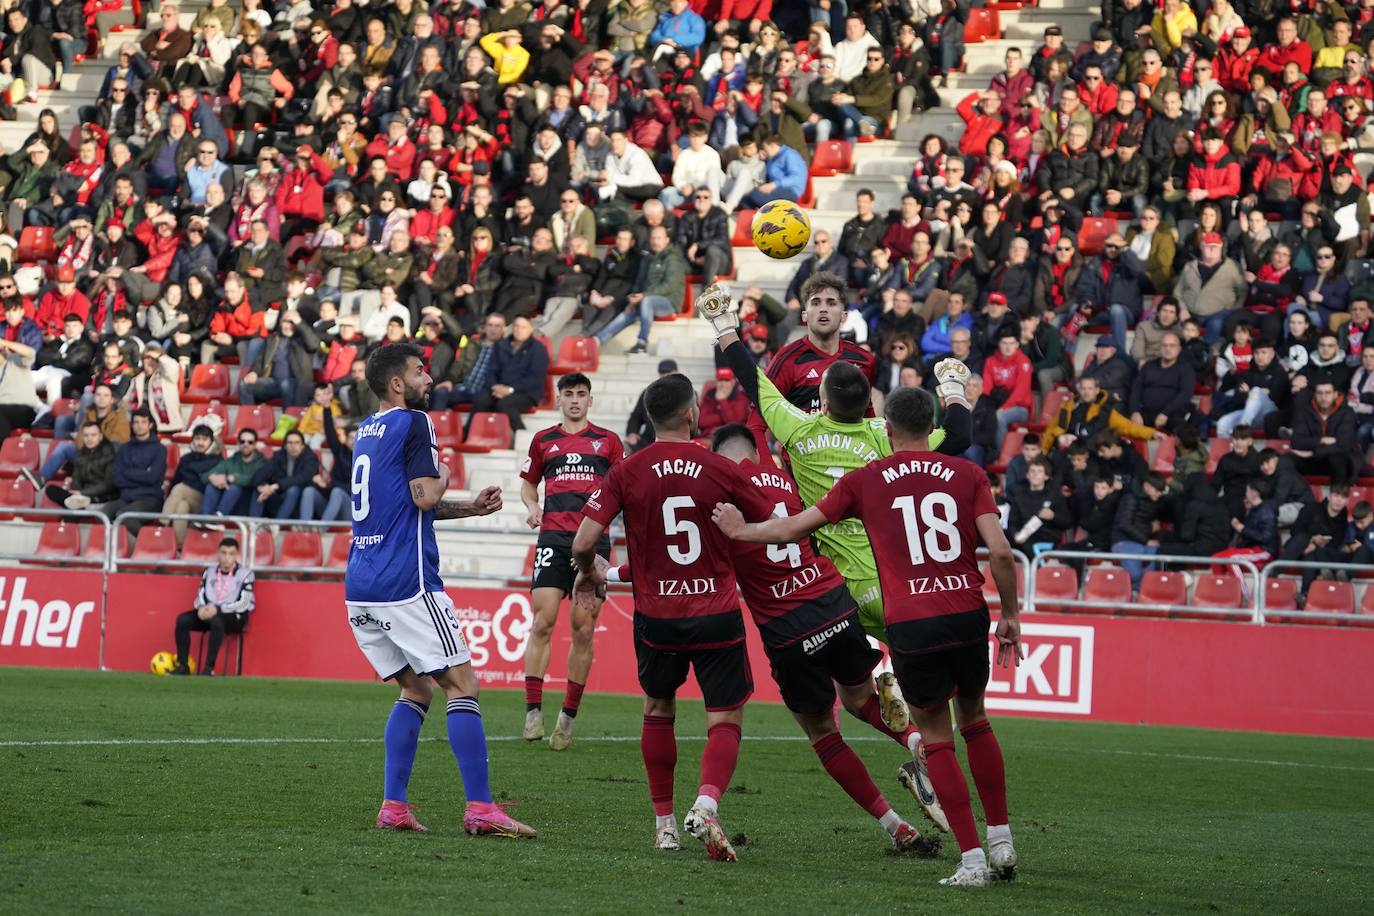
{"type": "Point", "coordinates": [821, 451]}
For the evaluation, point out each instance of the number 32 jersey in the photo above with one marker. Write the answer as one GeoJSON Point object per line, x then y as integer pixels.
{"type": "Point", "coordinates": [920, 511]}
{"type": "Point", "coordinates": [684, 581]}
{"type": "Point", "coordinates": [394, 557]}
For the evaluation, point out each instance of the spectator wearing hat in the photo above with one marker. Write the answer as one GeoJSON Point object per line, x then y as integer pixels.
{"type": "Point", "coordinates": [34, 172]}
{"type": "Point", "coordinates": [1113, 370]}
{"type": "Point", "coordinates": [196, 254]}
{"type": "Point", "coordinates": [1103, 55]}
{"type": "Point", "coordinates": [1213, 286]}
{"type": "Point", "coordinates": [1051, 48]}
{"type": "Point", "coordinates": [1123, 181]}
{"type": "Point", "coordinates": [58, 302]}
{"type": "Point", "coordinates": [722, 402]}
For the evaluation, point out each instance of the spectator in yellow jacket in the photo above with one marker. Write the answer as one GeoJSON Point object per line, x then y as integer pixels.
{"type": "Point", "coordinates": [508, 58]}
{"type": "Point", "coordinates": [311, 424]}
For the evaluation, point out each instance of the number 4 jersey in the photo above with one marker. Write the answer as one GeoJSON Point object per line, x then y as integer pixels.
{"type": "Point", "coordinates": [684, 583]}
{"type": "Point", "coordinates": [920, 510]}
{"type": "Point", "coordinates": [394, 558]}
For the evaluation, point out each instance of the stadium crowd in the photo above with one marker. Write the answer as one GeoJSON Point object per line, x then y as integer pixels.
{"type": "Point", "coordinates": [291, 186]}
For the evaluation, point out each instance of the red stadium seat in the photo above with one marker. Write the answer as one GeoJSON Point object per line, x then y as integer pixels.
{"type": "Point", "coordinates": [155, 542]}
{"type": "Point", "coordinates": [1049, 408]}
{"type": "Point", "coordinates": [264, 548]}
{"type": "Point", "coordinates": [95, 543]}
{"type": "Point", "coordinates": [301, 548]}
{"type": "Point", "coordinates": [16, 493]}
{"type": "Point", "coordinates": [457, 471]}
{"type": "Point", "coordinates": [1164, 457]}
{"type": "Point", "coordinates": [64, 407]}
{"type": "Point", "coordinates": [1330, 597]}
{"type": "Point", "coordinates": [983, 25]}
{"type": "Point", "coordinates": [832, 157]}
{"type": "Point", "coordinates": [1215, 449]}
{"type": "Point", "coordinates": [201, 410]}
{"type": "Point", "coordinates": [260, 418]}
{"type": "Point", "coordinates": [59, 540]}
{"type": "Point", "coordinates": [550, 399]}
{"type": "Point", "coordinates": [1219, 592]}
{"type": "Point", "coordinates": [744, 229]}
{"type": "Point", "coordinates": [1093, 234]}
{"type": "Point", "coordinates": [1055, 582]}
{"type": "Point", "coordinates": [173, 459]}
{"type": "Point", "coordinates": [209, 382]}
{"type": "Point", "coordinates": [808, 195]}
{"type": "Point", "coordinates": [488, 431]}
{"type": "Point", "coordinates": [1367, 601]}
{"type": "Point", "coordinates": [201, 545]}
{"type": "Point", "coordinates": [1281, 595]}
{"type": "Point", "coordinates": [447, 430]}
{"type": "Point", "coordinates": [36, 245]}
{"type": "Point", "coordinates": [1011, 447]}
{"type": "Point", "coordinates": [1162, 588]}
{"type": "Point", "coordinates": [577, 354]}
{"type": "Point", "coordinates": [338, 551]}
{"type": "Point", "coordinates": [990, 593]}
{"type": "Point", "coordinates": [1108, 584]}
{"type": "Point", "coordinates": [17, 454]}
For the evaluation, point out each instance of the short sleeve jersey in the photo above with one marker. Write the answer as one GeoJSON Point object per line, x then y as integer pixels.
{"type": "Point", "coordinates": [920, 512]}
{"type": "Point", "coordinates": [796, 372]}
{"type": "Point", "coordinates": [572, 466]}
{"type": "Point", "coordinates": [821, 451]}
{"type": "Point", "coordinates": [684, 583]}
{"type": "Point", "coordinates": [394, 557]}
{"type": "Point", "coordinates": [778, 581]}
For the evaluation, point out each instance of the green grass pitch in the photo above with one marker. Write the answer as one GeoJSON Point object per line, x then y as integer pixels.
{"type": "Point", "coordinates": [1107, 818]}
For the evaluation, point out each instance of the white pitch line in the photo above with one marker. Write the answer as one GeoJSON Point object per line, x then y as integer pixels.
{"type": "Point", "coordinates": [626, 739]}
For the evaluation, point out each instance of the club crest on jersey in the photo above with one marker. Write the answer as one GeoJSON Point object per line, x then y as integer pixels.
{"type": "Point", "coordinates": [596, 446]}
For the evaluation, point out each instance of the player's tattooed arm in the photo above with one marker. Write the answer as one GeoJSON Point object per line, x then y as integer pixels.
{"type": "Point", "coordinates": [484, 503]}
{"type": "Point", "coordinates": [785, 530]}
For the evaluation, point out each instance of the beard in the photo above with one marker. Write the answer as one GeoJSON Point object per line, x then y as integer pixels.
{"type": "Point", "coordinates": [418, 398]}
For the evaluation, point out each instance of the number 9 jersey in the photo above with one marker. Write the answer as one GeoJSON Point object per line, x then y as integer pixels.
{"type": "Point", "coordinates": [394, 557]}
{"type": "Point", "coordinates": [684, 581]}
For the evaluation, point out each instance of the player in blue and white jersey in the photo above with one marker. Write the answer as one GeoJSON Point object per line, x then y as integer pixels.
{"type": "Point", "coordinates": [401, 617]}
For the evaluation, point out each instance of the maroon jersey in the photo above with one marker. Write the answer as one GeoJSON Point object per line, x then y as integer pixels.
{"type": "Point", "coordinates": [684, 584]}
{"type": "Point", "coordinates": [796, 372]}
{"type": "Point", "coordinates": [920, 511]}
{"type": "Point", "coordinates": [572, 466]}
{"type": "Point", "coordinates": [779, 581]}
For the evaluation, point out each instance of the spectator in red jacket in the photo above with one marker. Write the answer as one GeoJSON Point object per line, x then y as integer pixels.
{"type": "Point", "coordinates": [1290, 48]}
{"type": "Point", "coordinates": [300, 193]}
{"type": "Point", "coordinates": [1283, 178]}
{"type": "Point", "coordinates": [1216, 174]}
{"type": "Point", "coordinates": [395, 147]}
{"type": "Point", "coordinates": [161, 239]}
{"type": "Point", "coordinates": [1014, 83]}
{"type": "Point", "coordinates": [60, 301]}
{"type": "Point", "coordinates": [723, 403]}
{"type": "Point", "coordinates": [427, 221]}
{"type": "Point", "coordinates": [980, 113]}
{"type": "Point", "coordinates": [1235, 60]}
{"type": "Point", "coordinates": [1007, 375]}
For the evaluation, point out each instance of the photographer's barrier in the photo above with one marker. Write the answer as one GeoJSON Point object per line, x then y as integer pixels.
{"type": "Point", "coordinates": [1211, 674]}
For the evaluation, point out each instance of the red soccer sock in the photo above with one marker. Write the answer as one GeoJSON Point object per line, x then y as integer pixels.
{"type": "Point", "coordinates": [719, 758]}
{"type": "Point", "coordinates": [534, 692]}
{"type": "Point", "coordinates": [845, 767]}
{"type": "Point", "coordinates": [658, 746]}
{"type": "Point", "coordinates": [872, 713]}
{"type": "Point", "coordinates": [952, 790]}
{"type": "Point", "coordinates": [573, 698]}
{"type": "Point", "coordinates": [989, 773]}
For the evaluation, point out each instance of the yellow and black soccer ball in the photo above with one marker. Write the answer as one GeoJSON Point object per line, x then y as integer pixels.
{"type": "Point", "coordinates": [781, 229]}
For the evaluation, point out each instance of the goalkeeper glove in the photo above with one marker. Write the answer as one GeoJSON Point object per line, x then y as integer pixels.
{"type": "Point", "coordinates": [715, 306]}
{"type": "Point", "coordinates": [951, 376]}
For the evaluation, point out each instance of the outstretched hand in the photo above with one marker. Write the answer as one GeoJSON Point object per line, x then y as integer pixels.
{"type": "Point", "coordinates": [487, 502]}
{"type": "Point", "coordinates": [728, 519]}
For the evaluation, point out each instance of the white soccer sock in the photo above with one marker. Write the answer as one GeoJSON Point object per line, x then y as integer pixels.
{"type": "Point", "coordinates": [975, 858]}
{"type": "Point", "coordinates": [707, 802]}
{"type": "Point", "coordinates": [664, 820]}
{"type": "Point", "coordinates": [890, 822]}
{"type": "Point", "coordinates": [911, 742]}
{"type": "Point", "coordinates": [1000, 833]}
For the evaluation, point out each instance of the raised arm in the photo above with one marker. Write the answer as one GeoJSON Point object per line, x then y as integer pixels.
{"type": "Point", "coordinates": [484, 503]}
{"type": "Point", "coordinates": [785, 530]}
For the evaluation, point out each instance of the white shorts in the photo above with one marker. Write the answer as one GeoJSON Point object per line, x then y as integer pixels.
{"type": "Point", "coordinates": [422, 635]}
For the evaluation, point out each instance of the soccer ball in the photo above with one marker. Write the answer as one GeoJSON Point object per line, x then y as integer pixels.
{"type": "Point", "coordinates": [162, 663]}
{"type": "Point", "coordinates": [781, 229]}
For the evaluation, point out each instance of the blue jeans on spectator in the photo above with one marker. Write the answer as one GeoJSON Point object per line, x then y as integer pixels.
{"type": "Point", "coordinates": [756, 198]}
{"type": "Point", "coordinates": [61, 454]}
{"type": "Point", "coordinates": [853, 117]}
{"type": "Point", "coordinates": [1120, 319]}
{"type": "Point", "coordinates": [671, 197]}
{"type": "Point", "coordinates": [1258, 404]}
{"type": "Point", "coordinates": [1134, 568]}
{"type": "Point", "coordinates": [67, 49]}
{"type": "Point", "coordinates": [335, 510]}
{"type": "Point", "coordinates": [650, 307]}
{"type": "Point", "coordinates": [63, 427]}
{"type": "Point", "coordinates": [1212, 326]}
{"type": "Point", "coordinates": [282, 504]}
{"type": "Point", "coordinates": [1007, 416]}
{"type": "Point", "coordinates": [291, 392]}
{"type": "Point", "coordinates": [221, 502]}
{"type": "Point", "coordinates": [977, 454]}
{"type": "Point", "coordinates": [834, 16]}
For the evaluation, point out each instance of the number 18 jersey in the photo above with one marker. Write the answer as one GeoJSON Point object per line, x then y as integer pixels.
{"type": "Point", "coordinates": [684, 582]}
{"type": "Point", "coordinates": [920, 511]}
{"type": "Point", "coordinates": [394, 557]}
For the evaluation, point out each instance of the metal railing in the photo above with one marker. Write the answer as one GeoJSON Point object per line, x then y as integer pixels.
{"type": "Point", "coordinates": [258, 525]}
{"type": "Point", "coordinates": [76, 516]}
{"type": "Point", "coordinates": [1250, 610]}
{"type": "Point", "coordinates": [1272, 570]}
{"type": "Point", "coordinates": [163, 520]}
{"type": "Point", "coordinates": [1023, 573]}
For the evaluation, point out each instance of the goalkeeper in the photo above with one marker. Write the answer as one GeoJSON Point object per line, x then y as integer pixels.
{"type": "Point", "coordinates": [822, 447]}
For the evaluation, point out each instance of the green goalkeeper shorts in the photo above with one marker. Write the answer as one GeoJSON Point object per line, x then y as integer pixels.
{"type": "Point", "coordinates": [868, 595]}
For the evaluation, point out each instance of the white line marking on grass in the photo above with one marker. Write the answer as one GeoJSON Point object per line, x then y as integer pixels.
{"type": "Point", "coordinates": [626, 739]}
